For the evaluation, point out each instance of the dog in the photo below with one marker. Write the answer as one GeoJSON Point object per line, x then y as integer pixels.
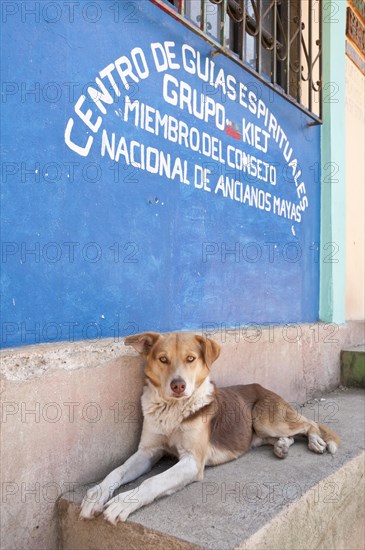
{"type": "Point", "coordinates": [187, 416]}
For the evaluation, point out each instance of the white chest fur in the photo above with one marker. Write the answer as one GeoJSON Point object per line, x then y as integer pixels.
{"type": "Point", "coordinates": [165, 415]}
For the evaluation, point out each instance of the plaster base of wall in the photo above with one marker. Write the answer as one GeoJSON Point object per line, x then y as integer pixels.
{"type": "Point", "coordinates": [70, 411]}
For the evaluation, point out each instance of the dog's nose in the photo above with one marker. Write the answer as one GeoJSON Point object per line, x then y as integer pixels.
{"type": "Point", "coordinates": [178, 386]}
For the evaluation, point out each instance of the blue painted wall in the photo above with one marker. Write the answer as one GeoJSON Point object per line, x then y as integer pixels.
{"type": "Point", "coordinates": [93, 246]}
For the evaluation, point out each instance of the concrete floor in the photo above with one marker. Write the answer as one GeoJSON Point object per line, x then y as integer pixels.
{"type": "Point", "coordinates": [258, 501]}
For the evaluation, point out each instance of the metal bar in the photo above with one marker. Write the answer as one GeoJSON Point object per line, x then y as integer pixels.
{"type": "Point", "coordinates": [219, 49]}
{"type": "Point", "coordinates": [258, 37]}
{"type": "Point", "coordinates": [182, 7]}
{"type": "Point", "coordinates": [310, 57]}
{"type": "Point", "coordinates": [222, 33]}
{"type": "Point", "coordinates": [299, 55]}
{"type": "Point", "coordinates": [288, 44]}
{"type": "Point", "coordinates": [203, 16]}
{"type": "Point", "coordinates": [274, 34]}
{"type": "Point", "coordinates": [243, 30]}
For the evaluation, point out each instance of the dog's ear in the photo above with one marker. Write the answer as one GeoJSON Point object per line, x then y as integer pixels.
{"type": "Point", "coordinates": [142, 343]}
{"type": "Point", "coordinates": [211, 350]}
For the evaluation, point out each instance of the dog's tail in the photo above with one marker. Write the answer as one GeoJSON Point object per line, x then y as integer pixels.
{"type": "Point", "coordinates": [330, 437]}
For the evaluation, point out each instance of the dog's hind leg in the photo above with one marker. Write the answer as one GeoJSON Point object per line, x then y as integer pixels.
{"type": "Point", "coordinates": [281, 445]}
{"type": "Point", "coordinates": [330, 437]}
{"type": "Point", "coordinates": [321, 437]}
{"type": "Point", "coordinates": [273, 417]}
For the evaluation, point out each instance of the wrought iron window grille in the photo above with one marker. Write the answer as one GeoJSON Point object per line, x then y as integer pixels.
{"type": "Point", "coordinates": [280, 41]}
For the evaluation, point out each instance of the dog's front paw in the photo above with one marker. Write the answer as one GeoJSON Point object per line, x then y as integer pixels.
{"type": "Point", "coordinates": [120, 507]}
{"type": "Point", "coordinates": [93, 502]}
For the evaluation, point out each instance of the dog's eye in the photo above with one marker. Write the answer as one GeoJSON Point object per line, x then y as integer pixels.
{"type": "Point", "coordinates": [163, 359]}
{"type": "Point", "coordinates": [190, 358]}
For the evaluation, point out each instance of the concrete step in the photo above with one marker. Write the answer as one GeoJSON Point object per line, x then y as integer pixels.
{"type": "Point", "coordinates": [306, 501]}
{"type": "Point", "coordinates": [353, 366]}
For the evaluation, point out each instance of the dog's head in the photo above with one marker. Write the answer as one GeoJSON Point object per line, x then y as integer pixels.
{"type": "Point", "coordinates": [176, 363]}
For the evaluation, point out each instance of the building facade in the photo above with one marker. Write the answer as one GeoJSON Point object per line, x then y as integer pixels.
{"type": "Point", "coordinates": [169, 165]}
{"type": "Point", "coordinates": [177, 166]}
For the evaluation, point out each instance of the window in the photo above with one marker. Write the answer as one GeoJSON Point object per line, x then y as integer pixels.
{"type": "Point", "coordinates": [278, 40]}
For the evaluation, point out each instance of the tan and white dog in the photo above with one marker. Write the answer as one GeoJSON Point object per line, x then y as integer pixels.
{"type": "Point", "coordinates": [187, 416]}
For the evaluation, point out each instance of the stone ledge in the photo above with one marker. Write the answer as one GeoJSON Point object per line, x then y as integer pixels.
{"type": "Point", "coordinates": [306, 502]}
{"type": "Point", "coordinates": [28, 362]}
{"type": "Point", "coordinates": [306, 344]}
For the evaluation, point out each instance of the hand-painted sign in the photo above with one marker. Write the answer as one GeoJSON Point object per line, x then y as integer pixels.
{"type": "Point", "coordinates": [201, 93]}
{"type": "Point", "coordinates": [159, 187]}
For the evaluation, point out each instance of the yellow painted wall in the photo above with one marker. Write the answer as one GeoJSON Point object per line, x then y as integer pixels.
{"type": "Point", "coordinates": [355, 192]}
